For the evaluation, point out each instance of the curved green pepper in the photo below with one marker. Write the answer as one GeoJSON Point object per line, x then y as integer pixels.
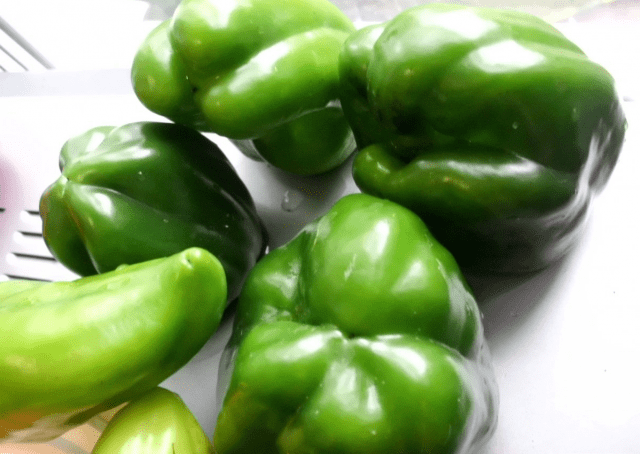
{"type": "Point", "coordinates": [489, 124]}
{"type": "Point", "coordinates": [261, 72]}
{"type": "Point", "coordinates": [157, 422]}
{"type": "Point", "coordinates": [71, 350]}
{"type": "Point", "coordinates": [358, 336]}
{"type": "Point", "coordinates": [148, 190]}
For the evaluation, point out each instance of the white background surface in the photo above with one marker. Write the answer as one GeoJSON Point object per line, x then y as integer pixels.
{"type": "Point", "coordinates": [565, 342]}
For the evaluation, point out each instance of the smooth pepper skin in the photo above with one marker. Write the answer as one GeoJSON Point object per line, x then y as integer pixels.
{"type": "Point", "coordinates": [157, 422]}
{"type": "Point", "coordinates": [263, 73]}
{"type": "Point", "coordinates": [73, 349]}
{"type": "Point", "coordinates": [359, 336]}
{"type": "Point", "coordinates": [146, 190]}
{"type": "Point", "coordinates": [489, 124]}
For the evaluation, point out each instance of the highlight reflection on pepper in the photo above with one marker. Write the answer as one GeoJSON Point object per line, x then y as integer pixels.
{"type": "Point", "coordinates": [260, 72]}
{"type": "Point", "coordinates": [157, 422]}
{"type": "Point", "coordinates": [375, 345]}
{"type": "Point", "coordinates": [146, 190]}
{"type": "Point", "coordinates": [489, 124]}
{"type": "Point", "coordinates": [71, 350]}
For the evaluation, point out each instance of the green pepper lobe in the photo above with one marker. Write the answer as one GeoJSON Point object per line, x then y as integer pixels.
{"type": "Point", "coordinates": [263, 73]}
{"type": "Point", "coordinates": [358, 336]}
{"type": "Point", "coordinates": [491, 125]}
{"type": "Point", "coordinates": [73, 349]}
{"type": "Point", "coordinates": [147, 190]}
{"type": "Point", "coordinates": [157, 422]}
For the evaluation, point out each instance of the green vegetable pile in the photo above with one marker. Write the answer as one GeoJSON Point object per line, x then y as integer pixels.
{"type": "Point", "coordinates": [480, 138]}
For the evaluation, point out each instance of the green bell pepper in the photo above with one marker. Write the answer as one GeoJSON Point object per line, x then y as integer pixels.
{"type": "Point", "coordinates": [263, 73]}
{"type": "Point", "coordinates": [491, 125]}
{"type": "Point", "coordinates": [148, 190]}
{"type": "Point", "coordinates": [358, 336]}
{"type": "Point", "coordinates": [71, 350]}
{"type": "Point", "coordinates": [157, 422]}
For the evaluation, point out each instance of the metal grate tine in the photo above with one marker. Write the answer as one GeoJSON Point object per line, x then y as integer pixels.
{"type": "Point", "coordinates": [28, 256]}
{"type": "Point", "coordinates": [17, 54]}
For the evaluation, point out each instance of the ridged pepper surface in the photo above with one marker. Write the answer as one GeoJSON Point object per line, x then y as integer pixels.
{"type": "Point", "coordinates": [491, 125]}
{"type": "Point", "coordinates": [263, 73]}
{"type": "Point", "coordinates": [359, 336]}
{"type": "Point", "coordinates": [146, 190]}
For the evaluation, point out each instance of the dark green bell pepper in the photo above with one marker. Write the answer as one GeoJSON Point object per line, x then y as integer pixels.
{"type": "Point", "coordinates": [71, 350]}
{"type": "Point", "coordinates": [261, 72]}
{"type": "Point", "coordinates": [157, 422]}
{"type": "Point", "coordinates": [491, 125]}
{"type": "Point", "coordinates": [148, 190]}
{"type": "Point", "coordinates": [358, 336]}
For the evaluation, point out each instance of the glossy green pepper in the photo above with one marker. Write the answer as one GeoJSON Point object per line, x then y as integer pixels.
{"type": "Point", "coordinates": [263, 73]}
{"type": "Point", "coordinates": [147, 190]}
{"type": "Point", "coordinates": [71, 350]}
{"type": "Point", "coordinates": [358, 336]}
{"type": "Point", "coordinates": [491, 125]}
{"type": "Point", "coordinates": [157, 422]}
